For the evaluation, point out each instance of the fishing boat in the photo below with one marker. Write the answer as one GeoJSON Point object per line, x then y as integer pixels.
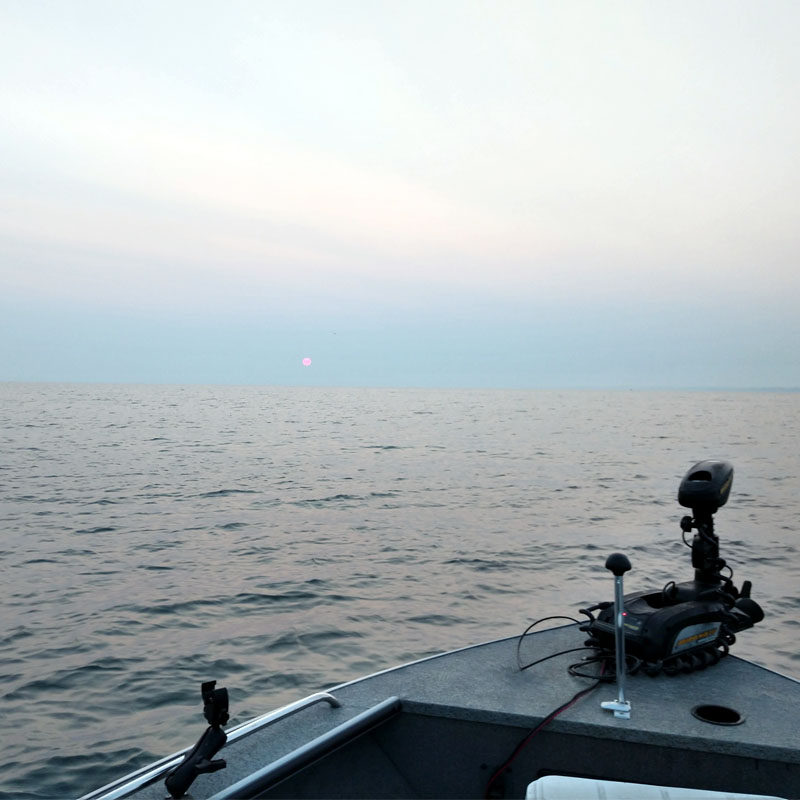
{"type": "Point", "coordinates": [640, 698]}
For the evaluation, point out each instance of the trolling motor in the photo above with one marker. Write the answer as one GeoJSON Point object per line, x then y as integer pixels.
{"type": "Point", "coordinates": [199, 758]}
{"type": "Point", "coordinates": [691, 625]}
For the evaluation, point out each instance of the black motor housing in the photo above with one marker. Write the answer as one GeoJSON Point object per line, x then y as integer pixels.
{"type": "Point", "coordinates": [664, 631]}
{"type": "Point", "coordinates": [705, 488]}
{"type": "Point", "coordinates": [689, 625]}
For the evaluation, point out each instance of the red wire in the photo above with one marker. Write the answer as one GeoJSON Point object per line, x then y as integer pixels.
{"type": "Point", "coordinates": [546, 721]}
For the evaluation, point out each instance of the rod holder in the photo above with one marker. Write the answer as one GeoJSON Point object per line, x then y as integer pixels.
{"type": "Point", "coordinates": [619, 564]}
{"type": "Point", "coordinates": [200, 758]}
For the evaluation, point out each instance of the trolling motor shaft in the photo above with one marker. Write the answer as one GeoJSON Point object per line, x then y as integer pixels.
{"type": "Point", "coordinates": [619, 565]}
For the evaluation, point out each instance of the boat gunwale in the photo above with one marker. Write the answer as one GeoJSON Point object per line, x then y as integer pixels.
{"type": "Point", "coordinates": [151, 772]}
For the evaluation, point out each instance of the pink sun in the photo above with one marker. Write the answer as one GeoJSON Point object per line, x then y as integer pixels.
{"type": "Point", "coordinates": [306, 362]}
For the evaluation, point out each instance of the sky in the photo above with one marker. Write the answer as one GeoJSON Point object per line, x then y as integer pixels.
{"type": "Point", "coordinates": [419, 193]}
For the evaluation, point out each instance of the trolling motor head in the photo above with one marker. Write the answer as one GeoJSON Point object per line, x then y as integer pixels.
{"type": "Point", "coordinates": [705, 488]}
{"type": "Point", "coordinates": [690, 625]}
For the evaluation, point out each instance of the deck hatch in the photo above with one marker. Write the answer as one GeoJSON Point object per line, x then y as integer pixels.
{"type": "Point", "coordinates": [717, 715]}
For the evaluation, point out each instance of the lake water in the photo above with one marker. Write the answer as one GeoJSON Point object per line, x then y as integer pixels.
{"type": "Point", "coordinates": [282, 540]}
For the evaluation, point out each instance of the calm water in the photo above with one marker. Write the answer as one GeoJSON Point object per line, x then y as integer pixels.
{"type": "Point", "coordinates": [283, 540]}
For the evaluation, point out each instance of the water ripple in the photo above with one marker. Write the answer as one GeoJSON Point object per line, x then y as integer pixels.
{"type": "Point", "coordinates": [283, 540]}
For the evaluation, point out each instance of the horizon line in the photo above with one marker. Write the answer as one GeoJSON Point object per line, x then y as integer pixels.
{"type": "Point", "coordinates": [544, 388]}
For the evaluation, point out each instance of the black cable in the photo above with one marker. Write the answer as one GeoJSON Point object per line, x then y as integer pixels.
{"type": "Point", "coordinates": [553, 655]}
{"type": "Point", "coordinates": [533, 625]}
{"type": "Point", "coordinates": [601, 659]}
{"type": "Point", "coordinates": [604, 657]}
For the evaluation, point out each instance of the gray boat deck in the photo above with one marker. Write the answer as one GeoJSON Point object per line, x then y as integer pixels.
{"type": "Point", "coordinates": [484, 684]}
{"type": "Point", "coordinates": [463, 713]}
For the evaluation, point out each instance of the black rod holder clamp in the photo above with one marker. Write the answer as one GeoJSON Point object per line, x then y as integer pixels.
{"type": "Point", "coordinates": [199, 758]}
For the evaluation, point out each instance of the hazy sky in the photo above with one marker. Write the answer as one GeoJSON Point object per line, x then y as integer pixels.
{"type": "Point", "coordinates": [443, 193]}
